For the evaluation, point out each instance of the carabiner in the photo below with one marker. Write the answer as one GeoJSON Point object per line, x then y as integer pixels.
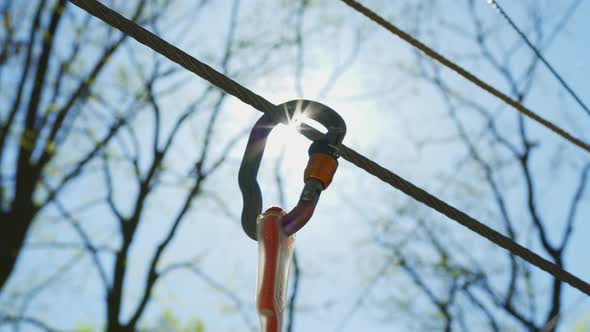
{"type": "Point", "coordinates": [318, 174]}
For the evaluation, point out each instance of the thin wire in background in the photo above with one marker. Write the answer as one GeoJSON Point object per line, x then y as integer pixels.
{"type": "Point", "coordinates": [538, 53]}
{"type": "Point", "coordinates": [378, 19]}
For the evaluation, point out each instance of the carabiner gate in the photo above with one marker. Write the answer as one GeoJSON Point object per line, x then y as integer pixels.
{"type": "Point", "coordinates": [318, 173]}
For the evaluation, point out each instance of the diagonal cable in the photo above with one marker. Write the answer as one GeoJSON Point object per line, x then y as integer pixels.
{"type": "Point", "coordinates": [466, 74]}
{"type": "Point", "coordinates": [223, 82]}
{"type": "Point", "coordinates": [539, 55]}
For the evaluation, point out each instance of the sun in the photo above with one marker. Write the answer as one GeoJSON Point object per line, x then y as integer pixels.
{"type": "Point", "coordinates": [287, 143]}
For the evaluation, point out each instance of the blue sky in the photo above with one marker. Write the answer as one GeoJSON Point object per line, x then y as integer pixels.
{"type": "Point", "coordinates": [382, 106]}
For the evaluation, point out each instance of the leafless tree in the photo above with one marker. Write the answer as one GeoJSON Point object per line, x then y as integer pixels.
{"type": "Point", "coordinates": [497, 176]}
{"type": "Point", "coordinates": [69, 107]}
{"type": "Point", "coordinates": [70, 125]}
{"type": "Point", "coordinates": [45, 86]}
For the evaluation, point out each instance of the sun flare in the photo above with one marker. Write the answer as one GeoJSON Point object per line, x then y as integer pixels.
{"type": "Point", "coordinates": [287, 138]}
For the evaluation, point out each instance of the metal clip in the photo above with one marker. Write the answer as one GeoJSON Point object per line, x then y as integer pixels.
{"type": "Point", "coordinates": [318, 174]}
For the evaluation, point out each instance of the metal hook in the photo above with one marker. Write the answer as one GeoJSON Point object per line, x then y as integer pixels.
{"type": "Point", "coordinates": [318, 173]}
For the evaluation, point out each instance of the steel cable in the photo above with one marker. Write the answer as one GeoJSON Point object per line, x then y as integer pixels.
{"type": "Point", "coordinates": [180, 57]}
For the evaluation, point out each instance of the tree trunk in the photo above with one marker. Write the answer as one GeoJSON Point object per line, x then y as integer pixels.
{"type": "Point", "coordinates": [13, 231]}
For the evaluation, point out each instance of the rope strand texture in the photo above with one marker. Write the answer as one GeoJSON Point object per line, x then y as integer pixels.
{"type": "Point", "coordinates": [467, 75]}
{"type": "Point", "coordinates": [231, 87]}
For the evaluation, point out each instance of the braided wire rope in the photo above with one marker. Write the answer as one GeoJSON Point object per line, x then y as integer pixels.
{"type": "Point", "coordinates": [223, 82]}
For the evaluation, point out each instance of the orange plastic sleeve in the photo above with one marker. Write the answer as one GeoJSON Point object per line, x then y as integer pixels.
{"type": "Point", "coordinates": [321, 167]}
